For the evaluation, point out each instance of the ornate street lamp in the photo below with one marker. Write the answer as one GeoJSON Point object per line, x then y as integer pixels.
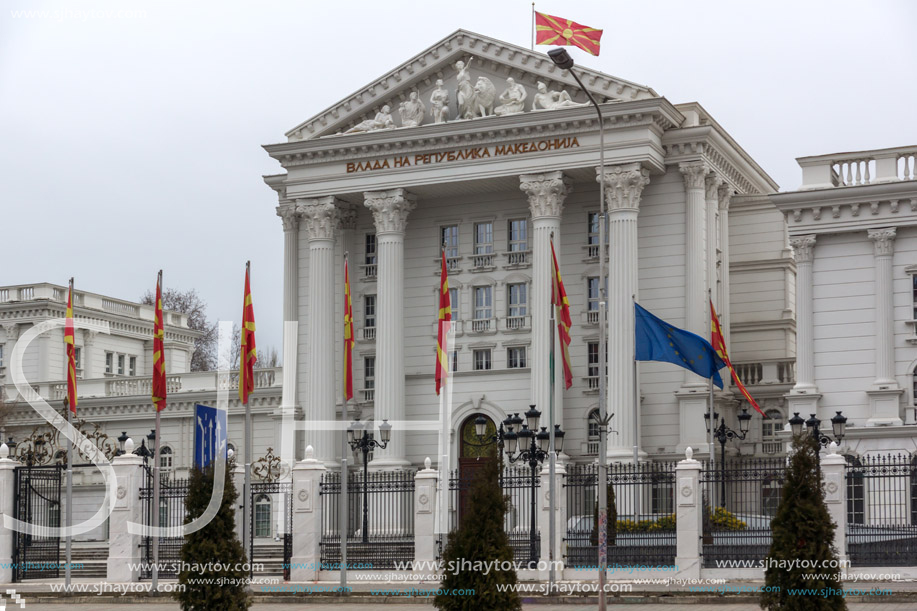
{"type": "Point", "coordinates": [723, 433]}
{"type": "Point", "coordinates": [364, 443]}
{"type": "Point", "coordinates": [122, 438]}
{"type": "Point", "coordinates": [838, 428]}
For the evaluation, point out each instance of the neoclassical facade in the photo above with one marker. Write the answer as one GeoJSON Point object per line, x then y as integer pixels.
{"type": "Point", "coordinates": [853, 228]}
{"type": "Point", "coordinates": [688, 216]}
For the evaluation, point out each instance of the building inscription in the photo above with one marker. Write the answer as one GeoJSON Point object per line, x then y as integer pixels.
{"type": "Point", "coordinates": [478, 152]}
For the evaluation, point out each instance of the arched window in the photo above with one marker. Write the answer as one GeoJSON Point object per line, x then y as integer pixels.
{"type": "Point", "coordinates": [165, 459]}
{"type": "Point", "coordinates": [592, 433]}
{"type": "Point", "coordinates": [856, 491]}
{"type": "Point", "coordinates": [263, 516]}
{"type": "Point", "coordinates": [770, 426]}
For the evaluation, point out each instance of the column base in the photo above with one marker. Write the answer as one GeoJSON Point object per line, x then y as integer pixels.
{"type": "Point", "coordinates": [885, 407]}
{"type": "Point", "coordinates": [802, 400]}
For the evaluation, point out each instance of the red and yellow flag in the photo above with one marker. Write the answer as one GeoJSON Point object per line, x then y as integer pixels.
{"type": "Point", "coordinates": [445, 314]}
{"type": "Point", "coordinates": [159, 353]}
{"type": "Point", "coordinates": [717, 339]}
{"type": "Point", "coordinates": [248, 354]}
{"type": "Point", "coordinates": [348, 336]}
{"type": "Point", "coordinates": [564, 322]}
{"type": "Point", "coordinates": [550, 30]}
{"type": "Point", "coordinates": [69, 340]}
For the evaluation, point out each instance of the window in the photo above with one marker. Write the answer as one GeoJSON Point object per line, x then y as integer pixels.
{"type": "Point", "coordinates": [856, 497]}
{"type": "Point", "coordinates": [663, 494]}
{"type": "Point", "coordinates": [516, 299]}
{"type": "Point", "coordinates": [483, 302]}
{"type": "Point", "coordinates": [109, 362]}
{"type": "Point", "coordinates": [592, 370]}
{"type": "Point", "coordinates": [592, 303]}
{"type": "Point", "coordinates": [369, 311]}
{"type": "Point", "coordinates": [369, 372]}
{"type": "Point", "coordinates": [132, 366]}
{"type": "Point", "coordinates": [449, 235]}
{"type": "Point", "coordinates": [1, 356]}
{"type": "Point", "coordinates": [592, 236]}
{"type": "Point", "coordinates": [165, 459]}
{"type": "Point", "coordinates": [453, 303]}
{"type": "Point", "coordinates": [370, 256]}
{"type": "Point", "coordinates": [914, 281]}
{"type": "Point", "coordinates": [515, 358]}
{"type": "Point", "coordinates": [482, 360]}
{"type": "Point", "coordinates": [263, 516]}
{"type": "Point", "coordinates": [517, 236]}
{"type": "Point", "coordinates": [77, 358]}
{"type": "Point", "coordinates": [120, 364]}
{"type": "Point", "coordinates": [483, 238]}
{"type": "Point", "coordinates": [455, 360]}
{"type": "Point", "coordinates": [164, 512]}
{"type": "Point", "coordinates": [771, 425]}
{"type": "Point", "coordinates": [592, 433]}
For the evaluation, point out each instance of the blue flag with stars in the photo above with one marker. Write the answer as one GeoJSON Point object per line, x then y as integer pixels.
{"type": "Point", "coordinates": [657, 340]}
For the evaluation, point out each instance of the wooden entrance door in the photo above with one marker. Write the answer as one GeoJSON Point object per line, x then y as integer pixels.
{"type": "Point", "coordinates": [474, 455]}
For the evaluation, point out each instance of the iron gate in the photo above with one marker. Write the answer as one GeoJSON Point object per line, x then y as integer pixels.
{"type": "Point", "coordinates": [172, 512]}
{"type": "Point", "coordinates": [36, 554]}
{"type": "Point", "coordinates": [267, 500]}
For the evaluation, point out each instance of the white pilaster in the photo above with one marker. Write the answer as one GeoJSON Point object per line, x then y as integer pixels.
{"type": "Point", "coordinates": [546, 193]}
{"type": "Point", "coordinates": [425, 485]}
{"type": "Point", "coordinates": [688, 517]}
{"type": "Point", "coordinates": [124, 549]}
{"type": "Point", "coordinates": [287, 434]}
{"type": "Point", "coordinates": [803, 398]}
{"type": "Point", "coordinates": [833, 468]}
{"type": "Point", "coordinates": [318, 216]}
{"type": "Point", "coordinates": [390, 212]}
{"type": "Point", "coordinates": [695, 174]}
{"type": "Point", "coordinates": [623, 187]}
{"type": "Point", "coordinates": [884, 396]}
{"type": "Point", "coordinates": [7, 496]}
{"type": "Point", "coordinates": [545, 515]}
{"type": "Point", "coordinates": [307, 518]}
{"type": "Point", "coordinates": [712, 204]}
{"type": "Point", "coordinates": [723, 309]}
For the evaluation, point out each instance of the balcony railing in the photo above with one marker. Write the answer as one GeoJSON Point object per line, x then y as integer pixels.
{"type": "Point", "coordinates": [483, 325]}
{"type": "Point", "coordinates": [518, 323]}
{"type": "Point", "coordinates": [767, 372]}
{"type": "Point", "coordinates": [482, 262]}
{"type": "Point", "coordinates": [592, 317]}
{"type": "Point", "coordinates": [591, 448]}
{"type": "Point", "coordinates": [369, 271]}
{"type": "Point", "coordinates": [369, 395]}
{"type": "Point", "coordinates": [859, 168]}
{"type": "Point", "coordinates": [369, 333]}
{"type": "Point", "coordinates": [772, 447]}
{"type": "Point", "coordinates": [452, 264]}
{"type": "Point", "coordinates": [130, 386]}
{"type": "Point", "coordinates": [592, 382]}
{"type": "Point", "coordinates": [518, 258]}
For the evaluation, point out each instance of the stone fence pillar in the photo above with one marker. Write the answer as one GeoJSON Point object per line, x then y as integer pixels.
{"type": "Point", "coordinates": [124, 549]}
{"type": "Point", "coordinates": [307, 518]}
{"type": "Point", "coordinates": [833, 468]}
{"type": "Point", "coordinates": [545, 516]}
{"type": "Point", "coordinates": [7, 494]}
{"type": "Point", "coordinates": [425, 484]}
{"type": "Point", "coordinates": [689, 517]}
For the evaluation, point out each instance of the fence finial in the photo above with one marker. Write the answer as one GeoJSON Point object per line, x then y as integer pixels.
{"type": "Point", "coordinates": [4, 451]}
{"type": "Point", "coordinates": [689, 453]}
{"type": "Point", "coordinates": [832, 448]}
{"type": "Point", "coordinates": [310, 452]}
{"type": "Point", "coordinates": [129, 446]}
{"type": "Point", "coordinates": [427, 463]}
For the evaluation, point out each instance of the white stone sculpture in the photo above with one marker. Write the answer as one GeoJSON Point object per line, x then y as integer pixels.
{"type": "Point", "coordinates": [412, 111]}
{"type": "Point", "coordinates": [383, 120]}
{"type": "Point", "coordinates": [550, 100]}
{"type": "Point", "coordinates": [439, 100]}
{"type": "Point", "coordinates": [485, 94]}
{"type": "Point", "coordinates": [513, 99]}
{"type": "Point", "coordinates": [464, 92]}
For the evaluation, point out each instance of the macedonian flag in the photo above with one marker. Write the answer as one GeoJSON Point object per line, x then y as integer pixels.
{"type": "Point", "coordinates": [71, 352]}
{"type": "Point", "coordinates": [550, 30]}
{"type": "Point", "coordinates": [444, 320]}
{"type": "Point", "coordinates": [247, 355]}
{"type": "Point", "coordinates": [718, 342]}
{"type": "Point", "coordinates": [159, 354]}
{"type": "Point", "coordinates": [348, 336]}
{"type": "Point", "coordinates": [564, 322]}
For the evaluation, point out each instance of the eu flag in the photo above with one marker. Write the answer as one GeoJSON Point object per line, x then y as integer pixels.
{"type": "Point", "coordinates": [657, 340]}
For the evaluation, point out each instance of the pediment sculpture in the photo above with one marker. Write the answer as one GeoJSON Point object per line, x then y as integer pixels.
{"type": "Point", "coordinates": [512, 99]}
{"type": "Point", "coordinates": [551, 100]}
{"type": "Point", "coordinates": [439, 101]}
{"type": "Point", "coordinates": [383, 120]}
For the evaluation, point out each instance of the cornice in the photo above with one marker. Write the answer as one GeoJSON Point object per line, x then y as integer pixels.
{"type": "Point", "coordinates": [656, 113]}
{"type": "Point", "coordinates": [423, 69]}
{"type": "Point", "coordinates": [125, 325]}
{"type": "Point", "coordinates": [762, 265]}
{"type": "Point", "coordinates": [782, 324]}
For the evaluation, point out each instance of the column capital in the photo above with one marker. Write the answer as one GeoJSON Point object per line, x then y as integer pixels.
{"type": "Point", "coordinates": [546, 193]}
{"type": "Point", "coordinates": [623, 185]}
{"type": "Point", "coordinates": [712, 185]}
{"type": "Point", "coordinates": [12, 330]}
{"type": "Point", "coordinates": [346, 216]}
{"type": "Point", "coordinates": [319, 216]}
{"type": "Point", "coordinates": [725, 192]}
{"type": "Point", "coordinates": [89, 337]}
{"type": "Point", "coordinates": [695, 173]}
{"type": "Point", "coordinates": [390, 209]}
{"type": "Point", "coordinates": [289, 214]}
{"type": "Point", "coordinates": [883, 240]}
{"type": "Point", "coordinates": [803, 247]}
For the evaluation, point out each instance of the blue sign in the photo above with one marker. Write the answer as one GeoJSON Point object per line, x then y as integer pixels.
{"type": "Point", "coordinates": [209, 434]}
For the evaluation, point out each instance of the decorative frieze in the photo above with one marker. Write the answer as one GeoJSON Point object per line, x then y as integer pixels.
{"type": "Point", "coordinates": [883, 241]}
{"type": "Point", "coordinates": [803, 247]}
{"type": "Point", "coordinates": [623, 185]}
{"type": "Point", "coordinates": [390, 209]}
{"type": "Point", "coordinates": [319, 217]}
{"type": "Point", "coordinates": [546, 193]}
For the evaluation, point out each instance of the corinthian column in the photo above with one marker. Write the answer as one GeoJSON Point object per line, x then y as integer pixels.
{"type": "Point", "coordinates": [318, 216]}
{"type": "Point", "coordinates": [803, 398]}
{"type": "Point", "coordinates": [623, 188]}
{"type": "Point", "coordinates": [725, 196]}
{"type": "Point", "coordinates": [546, 193]}
{"type": "Point", "coordinates": [287, 434]}
{"type": "Point", "coordinates": [884, 394]}
{"type": "Point", "coordinates": [390, 212]}
{"type": "Point", "coordinates": [695, 174]}
{"type": "Point", "coordinates": [711, 203]}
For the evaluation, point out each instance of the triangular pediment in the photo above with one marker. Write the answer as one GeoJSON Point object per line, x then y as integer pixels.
{"type": "Point", "coordinates": [493, 63]}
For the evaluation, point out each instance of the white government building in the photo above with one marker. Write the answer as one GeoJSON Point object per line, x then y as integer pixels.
{"type": "Point", "coordinates": [388, 177]}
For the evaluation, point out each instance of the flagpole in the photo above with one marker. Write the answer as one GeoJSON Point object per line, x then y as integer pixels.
{"type": "Point", "coordinates": [69, 516]}
{"type": "Point", "coordinates": [533, 26]}
{"type": "Point", "coordinates": [342, 518]}
{"type": "Point", "coordinates": [156, 443]}
{"type": "Point", "coordinates": [710, 405]}
{"type": "Point", "coordinates": [552, 454]}
{"type": "Point", "coordinates": [246, 494]}
{"type": "Point", "coordinates": [636, 401]}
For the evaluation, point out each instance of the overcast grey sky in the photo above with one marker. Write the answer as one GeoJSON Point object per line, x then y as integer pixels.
{"type": "Point", "coordinates": [132, 141]}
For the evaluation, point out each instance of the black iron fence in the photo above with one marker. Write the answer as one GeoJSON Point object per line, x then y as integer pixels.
{"type": "Point", "coordinates": [740, 498]}
{"type": "Point", "coordinates": [37, 502]}
{"type": "Point", "coordinates": [385, 504]}
{"type": "Point", "coordinates": [882, 510]}
{"type": "Point", "coordinates": [642, 503]}
{"type": "Point", "coordinates": [172, 512]}
{"type": "Point", "coordinates": [272, 520]}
